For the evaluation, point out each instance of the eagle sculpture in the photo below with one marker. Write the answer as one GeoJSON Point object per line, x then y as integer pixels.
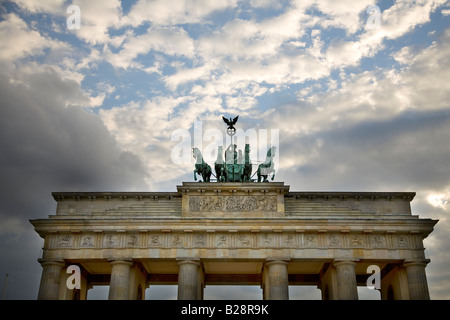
{"type": "Point", "coordinates": [230, 122]}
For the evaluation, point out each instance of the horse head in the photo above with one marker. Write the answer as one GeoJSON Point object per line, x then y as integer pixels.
{"type": "Point", "coordinates": [196, 153]}
{"type": "Point", "coordinates": [271, 152]}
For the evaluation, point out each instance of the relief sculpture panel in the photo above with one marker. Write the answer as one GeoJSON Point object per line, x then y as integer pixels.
{"type": "Point", "coordinates": [232, 203]}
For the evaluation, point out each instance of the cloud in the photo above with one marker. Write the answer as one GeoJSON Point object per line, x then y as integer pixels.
{"type": "Point", "coordinates": [381, 127]}
{"type": "Point", "coordinates": [343, 14]}
{"type": "Point", "coordinates": [47, 146]}
{"type": "Point", "coordinates": [145, 129]}
{"type": "Point", "coordinates": [50, 6]}
{"type": "Point", "coordinates": [440, 200]}
{"type": "Point", "coordinates": [26, 41]}
{"type": "Point", "coordinates": [357, 109]}
{"type": "Point", "coordinates": [404, 16]}
{"type": "Point", "coordinates": [247, 50]}
{"type": "Point", "coordinates": [97, 19]}
{"type": "Point", "coordinates": [179, 11]}
{"type": "Point", "coordinates": [171, 41]}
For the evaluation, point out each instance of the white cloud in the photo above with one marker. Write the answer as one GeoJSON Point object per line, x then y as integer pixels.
{"type": "Point", "coordinates": [403, 16]}
{"type": "Point", "coordinates": [184, 75]}
{"type": "Point", "coordinates": [50, 6]}
{"type": "Point", "coordinates": [380, 127]}
{"type": "Point", "coordinates": [250, 40]}
{"type": "Point", "coordinates": [439, 200]}
{"type": "Point", "coordinates": [264, 4]}
{"type": "Point", "coordinates": [26, 41]}
{"type": "Point", "coordinates": [178, 12]}
{"type": "Point", "coordinates": [343, 14]}
{"type": "Point", "coordinates": [168, 40]}
{"type": "Point", "coordinates": [97, 17]}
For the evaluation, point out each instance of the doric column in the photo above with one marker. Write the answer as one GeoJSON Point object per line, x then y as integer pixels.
{"type": "Point", "coordinates": [50, 279]}
{"type": "Point", "coordinates": [120, 280]}
{"type": "Point", "coordinates": [346, 280]}
{"type": "Point", "coordinates": [417, 279]}
{"type": "Point", "coordinates": [277, 280]}
{"type": "Point", "coordinates": [189, 280]}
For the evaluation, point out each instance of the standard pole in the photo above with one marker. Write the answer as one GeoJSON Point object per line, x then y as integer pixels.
{"type": "Point", "coordinates": [4, 287]}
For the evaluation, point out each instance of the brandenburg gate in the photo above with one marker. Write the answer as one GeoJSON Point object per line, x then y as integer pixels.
{"type": "Point", "coordinates": [234, 231]}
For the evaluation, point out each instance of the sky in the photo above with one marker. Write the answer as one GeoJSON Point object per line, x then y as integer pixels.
{"type": "Point", "coordinates": [106, 95]}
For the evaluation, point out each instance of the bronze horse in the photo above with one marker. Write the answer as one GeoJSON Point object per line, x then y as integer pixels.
{"type": "Point", "coordinates": [247, 165]}
{"type": "Point", "coordinates": [265, 168]}
{"type": "Point", "coordinates": [201, 167]}
{"type": "Point", "coordinates": [219, 165]}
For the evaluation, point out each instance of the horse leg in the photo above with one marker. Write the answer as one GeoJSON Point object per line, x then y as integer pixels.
{"type": "Point", "coordinates": [195, 176]}
{"type": "Point", "coordinates": [208, 173]}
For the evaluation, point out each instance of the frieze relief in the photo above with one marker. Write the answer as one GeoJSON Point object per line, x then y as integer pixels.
{"type": "Point", "coordinates": [232, 203]}
{"type": "Point", "coordinates": [310, 240]}
{"type": "Point", "coordinates": [356, 241]}
{"type": "Point", "coordinates": [289, 240]}
{"type": "Point", "coordinates": [87, 241]}
{"type": "Point", "coordinates": [155, 240]}
{"type": "Point", "coordinates": [65, 241]}
{"type": "Point", "coordinates": [178, 240]}
{"type": "Point", "coordinates": [334, 240]}
{"type": "Point", "coordinates": [132, 240]}
{"type": "Point", "coordinates": [402, 241]}
{"type": "Point", "coordinates": [378, 241]}
{"type": "Point", "coordinates": [266, 240]}
{"type": "Point", "coordinates": [236, 240]}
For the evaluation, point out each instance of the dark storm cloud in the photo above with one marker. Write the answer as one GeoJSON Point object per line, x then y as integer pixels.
{"type": "Point", "coordinates": [46, 146]}
{"type": "Point", "coordinates": [407, 151]}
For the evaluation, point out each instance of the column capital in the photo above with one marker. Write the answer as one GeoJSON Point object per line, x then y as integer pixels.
{"type": "Point", "coordinates": [280, 259]}
{"type": "Point", "coordinates": [339, 262]}
{"type": "Point", "coordinates": [44, 262]}
{"type": "Point", "coordinates": [120, 261]}
{"type": "Point", "coordinates": [181, 261]}
{"type": "Point", "coordinates": [418, 262]}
